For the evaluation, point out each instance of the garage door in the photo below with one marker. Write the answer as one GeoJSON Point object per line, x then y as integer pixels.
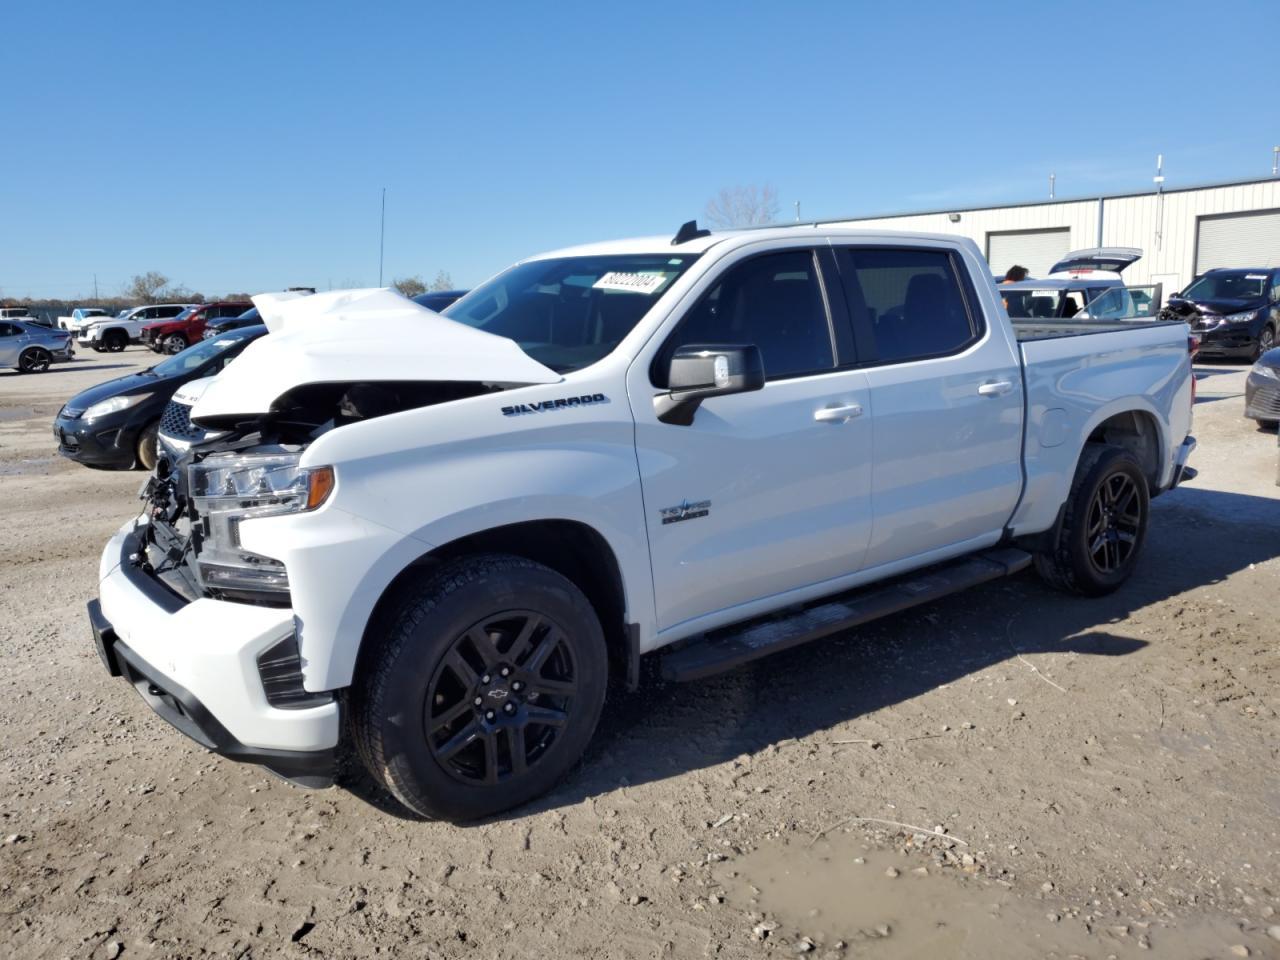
{"type": "Point", "coordinates": [1238, 240]}
{"type": "Point", "coordinates": [1037, 250]}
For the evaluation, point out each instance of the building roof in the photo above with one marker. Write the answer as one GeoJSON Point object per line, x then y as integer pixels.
{"type": "Point", "coordinates": [1086, 198]}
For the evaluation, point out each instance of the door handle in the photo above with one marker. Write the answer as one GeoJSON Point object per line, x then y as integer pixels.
{"type": "Point", "coordinates": [839, 413]}
{"type": "Point", "coordinates": [997, 388]}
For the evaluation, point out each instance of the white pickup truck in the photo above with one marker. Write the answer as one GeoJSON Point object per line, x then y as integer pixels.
{"type": "Point", "coordinates": [447, 534]}
{"type": "Point", "coordinates": [113, 334]}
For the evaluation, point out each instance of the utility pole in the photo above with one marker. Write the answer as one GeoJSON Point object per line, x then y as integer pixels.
{"type": "Point", "coordinates": [382, 234]}
{"type": "Point", "coordinates": [95, 287]}
{"type": "Point", "coordinates": [1052, 179]}
{"type": "Point", "coordinates": [1275, 161]}
{"type": "Point", "coordinates": [797, 211]}
{"type": "Point", "coordinates": [1158, 179]}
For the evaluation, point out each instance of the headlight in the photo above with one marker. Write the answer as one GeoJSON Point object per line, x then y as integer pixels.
{"type": "Point", "coordinates": [1259, 370]}
{"type": "Point", "coordinates": [226, 490]}
{"type": "Point", "coordinates": [1240, 317]}
{"type": "Point", "coordinates": [114, 405]}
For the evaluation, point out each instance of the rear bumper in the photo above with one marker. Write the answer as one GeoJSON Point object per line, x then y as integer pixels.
{"type": "Point", "coordinates": [196, 665]}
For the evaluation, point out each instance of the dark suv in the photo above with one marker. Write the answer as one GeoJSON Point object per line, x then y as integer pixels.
{"type": "Point", "coordinates": [1235, 313]}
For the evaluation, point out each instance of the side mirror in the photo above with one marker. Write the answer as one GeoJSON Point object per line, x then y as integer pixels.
{"type": "Point", "coordinates": [699, 371]}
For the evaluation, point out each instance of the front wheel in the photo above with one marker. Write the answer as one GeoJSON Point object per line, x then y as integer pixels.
{"type": "Point", "coordinates": [1266, 340]}
{"type": "Point", "coordinates": [484, 689]}
{"type": "Point", "coordinates": [147, 449]}
{"type": "Point", "coordinates": [1104, 524]}
{"type": "Point", "coordinates": [115, 341]}
{"type": "Point", "coordinates": [175, 343]}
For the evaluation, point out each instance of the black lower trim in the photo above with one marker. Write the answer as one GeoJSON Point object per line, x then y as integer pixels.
{"type": "Point", "coordinates": [633, 656]}
{"type": "Point", "coordinates": [177, 705]}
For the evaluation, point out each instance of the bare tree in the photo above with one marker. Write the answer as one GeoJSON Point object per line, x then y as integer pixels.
{"type": "Point", "coordinates": [410, 286]}
{"type": "Point", "coordinates": [442, 281]}
{"type": "Point", "coordinates": [747, 206]}
{"type": "Point", "coordinates": [146, 287]}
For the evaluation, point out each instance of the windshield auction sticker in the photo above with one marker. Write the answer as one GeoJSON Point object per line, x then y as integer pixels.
{"type": "Point", "coordinates": [645, 283]}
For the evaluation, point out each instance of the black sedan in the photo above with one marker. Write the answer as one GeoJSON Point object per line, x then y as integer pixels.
{"type": "Point", "coordinates": [115, 423]}
{"type": "Point", "coordinates": [1262, 390]}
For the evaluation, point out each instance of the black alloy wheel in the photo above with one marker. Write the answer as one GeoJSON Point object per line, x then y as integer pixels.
{"type": "Point", "coordinates": [35, 360]}
{"type": "Point", "coordinates": [1114, 523]}
{"type": "Point", "coordinates": [480, 686]}
{"type": "Point", "coordinates": [500, 697]}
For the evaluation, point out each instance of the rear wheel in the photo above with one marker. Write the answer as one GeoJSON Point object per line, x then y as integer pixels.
{"type": "Point", "coordinates": [485, 689]}
{"type": "Point", "coordinates": [115, 340]}
{"type": "Point", "coordinates": [147, 446]}
{"type": "Point", "coordinates": [175, 343]}
{"type": "Point", "coordinates": [35, 360]}
{"type": "Point", "coordinates": [1096, 544]}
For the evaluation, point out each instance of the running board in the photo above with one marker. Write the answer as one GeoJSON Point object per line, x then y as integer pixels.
{"type": "Point", "coordinates": [733, 646]}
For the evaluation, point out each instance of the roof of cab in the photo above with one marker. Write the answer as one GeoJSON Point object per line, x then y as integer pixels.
{"type": "Point", "coordinates": [698, 245]}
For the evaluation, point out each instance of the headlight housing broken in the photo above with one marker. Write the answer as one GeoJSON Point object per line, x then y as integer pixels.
{"type": "Point", "coordinates": [226, 490]}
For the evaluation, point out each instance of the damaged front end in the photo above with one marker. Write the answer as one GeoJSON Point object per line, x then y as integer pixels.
{"type": "Point", "coordinates": [331, 361]}
{"type": "Point", "coordinates": [251, 468]}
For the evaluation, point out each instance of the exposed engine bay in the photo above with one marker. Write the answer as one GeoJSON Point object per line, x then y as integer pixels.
{"type": "Point", "coordinates": [195, 500]}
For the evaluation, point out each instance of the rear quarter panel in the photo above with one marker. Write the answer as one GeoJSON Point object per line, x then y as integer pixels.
{"type": "Point", "coordinates": [1075, 383]}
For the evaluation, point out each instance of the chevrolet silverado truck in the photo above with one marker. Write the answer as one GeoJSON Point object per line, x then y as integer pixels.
{"type": "Point", "coordinates": [440, 539]}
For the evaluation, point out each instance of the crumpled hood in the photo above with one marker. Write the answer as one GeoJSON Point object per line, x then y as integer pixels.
{"type": "Point", "coordinates": [359, 336]}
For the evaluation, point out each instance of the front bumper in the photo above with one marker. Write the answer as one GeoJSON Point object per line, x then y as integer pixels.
{"type": "Point", "coordinates": [196, 665]}
{"type": "Point", "coordinates": [1228, 340]}
{"type": "Point", "coordinates": [1261, 398]}
{"type": "Point", "coordinates": [112, 443]}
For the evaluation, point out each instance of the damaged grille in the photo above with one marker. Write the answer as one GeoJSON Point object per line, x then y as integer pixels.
{"type": "Point", "coordinates": [176, 422]}
{"type": "Point", "coordinates": [1266, 401]}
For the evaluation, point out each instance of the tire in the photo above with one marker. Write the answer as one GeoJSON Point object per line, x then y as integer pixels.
{"type": "Point", "coordinates": [174, 343]}
{"type": "Point", "coordinates": [414, 717]}
{"type": "Point", "coordinates": [1266, 340]}
{"type": "Point", "coordinates": [1103, 526]}
{"type": "Point", "coordinates": [34, 360]}
{"type": "Point", "coordinates": [146, 447]}
{"type": "Point", "coordinates": [99, 348]}
{"type": "Point", "coordinates": [114, 341]}
{"type": "Point", "coordinates": [1268, 424]}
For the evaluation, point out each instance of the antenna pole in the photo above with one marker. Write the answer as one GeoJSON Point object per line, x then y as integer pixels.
{"type": "Point", "coordinates": [797, 211]}
{"type": "Point", "coordinates": [382, 234]}
{"type": "Point", "coordinates": [1052, 179]}
{"type": "Point", "coordinates": [1275, 161]}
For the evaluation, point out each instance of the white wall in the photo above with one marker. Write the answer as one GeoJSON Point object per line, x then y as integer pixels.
{"type": "Point", "coordinates": [1126, 222]}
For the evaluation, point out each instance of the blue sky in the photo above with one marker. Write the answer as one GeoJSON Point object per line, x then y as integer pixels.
{"type": "Point", "coordinates": [243, 146]}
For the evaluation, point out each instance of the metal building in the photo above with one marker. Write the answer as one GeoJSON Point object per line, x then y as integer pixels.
{"type": "Point", "coordinates": [1182, 231]}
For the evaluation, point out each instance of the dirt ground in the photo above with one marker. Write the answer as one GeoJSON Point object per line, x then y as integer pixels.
{"type": "Point", "coordinates": [1077, 777]}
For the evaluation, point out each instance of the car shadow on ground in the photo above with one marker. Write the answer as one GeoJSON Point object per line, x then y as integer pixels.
{"type": "Point", "coordinates": [664, 729]}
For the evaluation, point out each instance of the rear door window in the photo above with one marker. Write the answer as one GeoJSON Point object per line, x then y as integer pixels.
{"type": "Point", "coordinates": [774, 301]}
{"type": "Point", "coordinates": [906, 303]}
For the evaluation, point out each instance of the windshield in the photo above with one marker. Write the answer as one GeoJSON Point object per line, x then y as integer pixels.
{"type": "Point", "coordinates": [1228, 285]}
{"type": "Point", "coordinates": [204, 351]}
{"type": "Point", "coordinates": [570, 312]}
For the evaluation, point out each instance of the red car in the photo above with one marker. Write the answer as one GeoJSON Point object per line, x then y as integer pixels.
{"type": "Point", "coordinates": [174, 336]}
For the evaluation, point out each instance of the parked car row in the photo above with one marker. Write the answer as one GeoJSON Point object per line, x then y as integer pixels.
{"type": "Point", "coordinates": [174, 336]}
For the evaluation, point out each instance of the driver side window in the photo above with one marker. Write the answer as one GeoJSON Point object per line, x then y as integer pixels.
{"type": "Point", "coordinates": [773, 301]}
